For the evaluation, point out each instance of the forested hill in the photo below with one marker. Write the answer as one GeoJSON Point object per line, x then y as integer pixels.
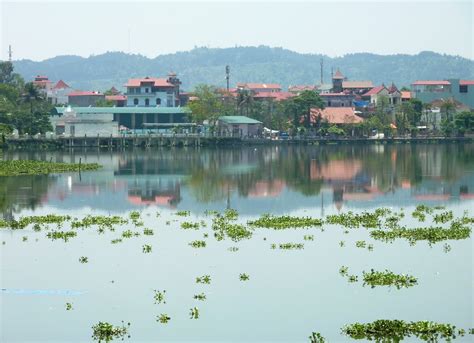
{"type": "Point", "coordinates": [248, 64]}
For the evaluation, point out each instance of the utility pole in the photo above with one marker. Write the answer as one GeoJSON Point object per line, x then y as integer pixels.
{"type": "Point", "coordinates": [227, 76]}
{"type": "Point", "coordinates": [10, 52]}
{"type": "Point", "coordinates": [321, 63]}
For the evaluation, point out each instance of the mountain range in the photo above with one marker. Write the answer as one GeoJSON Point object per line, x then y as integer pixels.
{"type": "Point", "coordinates": [247, 64]}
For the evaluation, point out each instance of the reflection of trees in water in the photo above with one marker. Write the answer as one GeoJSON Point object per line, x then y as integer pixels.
{"type": "Point", "coordinates": [22, 192]}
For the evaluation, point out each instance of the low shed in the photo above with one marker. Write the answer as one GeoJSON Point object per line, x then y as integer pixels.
{"type": "Point", "coordinates": [240, 126]}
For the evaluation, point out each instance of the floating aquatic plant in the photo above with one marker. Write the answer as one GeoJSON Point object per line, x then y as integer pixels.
{"type": "Point", "coordinates": [134, 215]}
{"type": "Point", "coordinates": [106, 332]}
{"type": "Point", "coordinates": [200, 297]}
{"type": "Point", "coordinates": [342, 243]}
{"type": "Point", "coordinates": [344, 271]}
{"type": "Point", "coordinates": [364, 219]}
{"type": "Point", "coordinates": [233, 249]}
{"type": "Point", "coordinates": [446, 247]}
{"type": "Point", "coordinates": [316, 337]}
{"type": "Point", "coordinates": [30, 167]}
{"type": "Point", "coordinates": [163, 318]}
{"type": "Point", "coordinates": [198, 244]}
{"type": "Point", "coordinates": [206, 279]}
{"type": "Point", "coordinates": [159, 296]}
{"type": "Point", "coordinates": [65, 235]}
{"type": "Point", "coordinates": [388, 278]}
{"type": "Point", "coordinates": [291, 246]}
{"type": "Point", "coordinates": [83, 259]}
{"type": "Point", "coordinates": [100, 221]}
{"type": "Point", "coordinates": [183, 213]}
{"type": "Point", "coordinates": [360, 244]}
{"type": "Point", "coordinates": [352, 278]}
{"type": "Point", "coordinates": [397, 330]}
{"type": "Point", "coordinates": [222, 226]}
{"type": "Point", "coordinates": [68, 306]}
{"type": "Point", "coordinates": [244, 277]}
{"type": "Point", "coordinates": [24, 238]}
{"type": "Point", "coordinates": [116, 240]}
{"type": "Point", "coordinates": [148, 232]}
{"type": "Point", "coordinates": [308, 237]}
{"type": "Point", "coordinates": [146, 248]}
{"type": "Point", "coordinates": [189, 225]}
{"type": "Point", "coordinates": [443, 217]}
{"type": "Point", "coordinates": [285, 222]}
{"type": "Point", "coordinates": [194, 313]}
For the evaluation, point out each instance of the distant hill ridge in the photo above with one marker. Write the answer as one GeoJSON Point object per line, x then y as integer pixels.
{"type": "Point", "coordinates": [248, 64]}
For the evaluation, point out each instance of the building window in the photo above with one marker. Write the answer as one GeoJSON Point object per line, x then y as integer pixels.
{"type": "Point", "coordinates": [146, 90]}
{"type": "Point", "coordinates": [147, 102]}
{"type": "Point", "coordinates": [135, 101]}
{"type": "Point", "coordinates": [329, 103]}
{"type": "Point", "coordinates": [158, 101]}
{"type": "Point", "coordinates": [462, 88]}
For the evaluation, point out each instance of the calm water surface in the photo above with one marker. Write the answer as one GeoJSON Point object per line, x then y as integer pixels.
{"type": "Point", "coordinates": [289, 294]}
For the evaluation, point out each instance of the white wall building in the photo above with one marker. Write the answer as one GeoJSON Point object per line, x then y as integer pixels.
{"type": "Point", "coordinates": [153, 92]}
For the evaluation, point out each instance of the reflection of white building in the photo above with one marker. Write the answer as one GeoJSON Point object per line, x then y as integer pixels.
{"type": "Point", "coordinates": [72, 123]}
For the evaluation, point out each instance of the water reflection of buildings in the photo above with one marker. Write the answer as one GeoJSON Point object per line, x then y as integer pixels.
{"type": "Point", "coordinates": [267, 188]}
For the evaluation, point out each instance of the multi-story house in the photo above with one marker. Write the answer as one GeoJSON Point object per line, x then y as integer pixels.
{"type": "Point", "coordinates": [153, 92]}
{"type": "Point", "coordinates": [430, 90]}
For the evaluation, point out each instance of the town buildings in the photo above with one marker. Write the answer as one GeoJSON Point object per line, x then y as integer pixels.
{"type": "Point", "coordinates": [455, 89]}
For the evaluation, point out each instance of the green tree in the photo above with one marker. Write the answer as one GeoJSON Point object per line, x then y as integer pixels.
{"type": "Point", "coordinates": [209, 104]}
{"type": "Point", "coordinates": [464, 122]}
{"type": "Point", "coordinates": [304, 102]}
{"type": "Point", "coordinates": [31, 95]}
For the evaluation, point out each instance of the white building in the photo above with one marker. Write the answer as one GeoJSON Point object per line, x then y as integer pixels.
{"type": "Point", "coordinates": [152, 92]}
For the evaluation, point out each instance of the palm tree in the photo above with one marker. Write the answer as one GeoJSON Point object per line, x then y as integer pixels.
{"type": "Point", "coordinates": [31, 94]}
{"type": "Point", "coordinates": [447, 109]}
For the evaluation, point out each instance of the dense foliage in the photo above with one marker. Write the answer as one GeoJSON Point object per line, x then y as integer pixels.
{"type": "Point", "coordinates": [248, 64]}
{"type": "Point", "coordinates": [28, 167]}
{"type": "Point", "coordinates": [23, 106]}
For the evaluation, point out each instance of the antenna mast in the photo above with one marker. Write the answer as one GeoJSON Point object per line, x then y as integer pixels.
{"type": "Point", "coordinates": [10, 52]}
{"type": "Point", "coordinates": [227, 76]}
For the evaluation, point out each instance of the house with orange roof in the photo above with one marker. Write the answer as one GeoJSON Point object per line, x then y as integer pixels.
{"type": "Point", "coordinates": [334, 115]}
{"type": "Point", "coordinates": [153, 92]}
{"type": "Point", "coordinates": [430, 90]}
{"type": "Point", "coordinates": [375, 93]}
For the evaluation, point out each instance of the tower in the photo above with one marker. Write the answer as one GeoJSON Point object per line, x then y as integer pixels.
{"type": "Point", "coordinates": [10, 52]}
{"type": "Point", "coordinates": [337, 82]}
{"type": "Point", "coordinates": [227, 76]}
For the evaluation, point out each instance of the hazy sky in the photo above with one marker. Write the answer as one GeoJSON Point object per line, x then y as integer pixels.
{"type": "Point", "coordinates": [41, 29]}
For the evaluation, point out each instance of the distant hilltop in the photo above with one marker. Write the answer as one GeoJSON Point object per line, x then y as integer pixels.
{"type": "Point", "coordinates": [247, 64]}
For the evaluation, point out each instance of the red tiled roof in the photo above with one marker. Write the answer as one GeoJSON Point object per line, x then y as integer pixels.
{"type": "Point", "coordinates": [338, 75]}
{"type": "Point", "coordinates": [274, 95]}
{"type": "Point", "coordinates": [336, 115]}
{"type": "Point", "coordinates": [357, 84]}
{"type": "Point", "coordinates": [406, 95]}
{"type": "Point", "coordinates": [431, 83]}
{"type": "Point", "coordinates": [259, 85]}
{"type": "Point", "coordinates": [375, 90]}
{"type": "Point", "coordinates": [156, 82]}
{"type": "Point", "coordinates": [393, 89]}
{"type": "Point", "coordinates": [466, 82]}
{"type": "Point", "coordinates": [61, 85]}
{"type": "Point", "coordinates": [85, 93]}
{"type": "Point", "coordinates": [116, 97]}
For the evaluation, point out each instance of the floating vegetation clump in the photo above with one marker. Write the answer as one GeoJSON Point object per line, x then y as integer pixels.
{"type": "Point", "coordinates": [24, 238]}
{"type": "Point", "coordinates": [291, 246]}
{"type": "Point", "coordinates": [431, 234]}
{"type": "Point", "coordinates": [146, 248]}
{"type": "Point", "coordinates": [233, 249]}
{"type": "Point", "coordinates": [106, 332]}
{"type": "Point", "coordinates": [316, 337]}
{"type": "Point", "coordinates": [29, 167]}
{"type": "Point", "coordinates": [200, 297]}
{"type": "Point", "coordinates": [308, 237]}
{"type": "Point", "coordinates": [148, 232]}
{"type": "Point", "coordinates": [285, 222]}
{"type": "Point", "coordinates": [446, 248]}
{"type": "Point", "coordinates": [116, 241]}
{"type": "Point", "coordinates": [397, 330]}
{"type": "Point", "coordinates": [342, 244]}
{"type": "Point", "coordinates": [130, 234]}
{"type": "Point", "coordinates": [244, 277]}
{"type": "Point", "coordinates": [183, 213]}
{"type": "Point", "coordinates": [388, 278]}
{"type": "Point", "coordinates": [353, 220]}
{"type": "Point", "coordinates": [65, 235]}
{"type": "Point", "coordinates": [206, 279]}
{"type": "Point", "coordinates": [211, 212]}
{"type": "Point", "coordinates": [190, 226]}
{"type": "Point", "coordinates": [100, 221]}
{"type": "Point", "coordinates": [344, 271]}
{"type": "Point", "coordinates": [159, 296]}
{"type": "Point", "coordinates": [352, 278]}
{"type": "Point", "coordinates": [83, 259]}
{"type": "Point", "coordinates": [443, 217]}
{"type": "Point", "coordinates": [194, 313]}
{"type": "Point", "coordinates": [421, 211]}
{"type": "Point", "coordinates": [222, 226]}
{"type": "Point", "coordinates": [163, 318]}
{"type": "Point", "coordinates": [198, 244]}
{"type": "Point", "coordinates": [360, 244]}
{"type": "Point", "coordinates": [37, 221]}
{"type": "Point", "coordinates": [68, 306]}
{"type": "Point", "coordinates": [134, 215]}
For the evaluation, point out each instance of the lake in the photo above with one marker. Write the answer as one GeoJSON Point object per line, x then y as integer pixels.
{"type": "Point", "coordinates": [289, 294]}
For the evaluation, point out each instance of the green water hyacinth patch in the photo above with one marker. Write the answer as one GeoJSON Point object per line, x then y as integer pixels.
{"type": "Point", "coordinates": [28, 167]}
{"type": "Point", "coordinates": [146, 248]}
{"type": "Point", "coordinates": [64, 235]}
{"type": "Point", "coordinates": [83, 259]}
{"type": "Point", "coordinates": [183, 213]}
{"type": "Point", "coordinates": [159, 296]}
{"type": "Point", "coordinates": [291, 246]}
{"type": "Point", "coordinates": [163, 318]}
{"type": "Point", "coordinates": [106, 332]}
{"type": "Point", "coordinates": [285, 222]}
{"type": "Point", "coordinates": [388, 278]}
{"type": "Point", "coordinates": [37, 221]}
{"type": "Point", "coordinates": [148, 232]}
{"type": "Point", "coordinates": [200, 297]}
{"type": "Point", "coordinates": [206, 279]}
{"type": "Point", "coordinates": [198, 244]}
{"type": "Point", "coordinates": [68, 306]}
{"type": "Point", "coordinates": [190, 226]}
{"type": "Point", "coordinates": [194, 313]}
{"type": "Point", "coordinates": [308, 237]}
{"type": "Point", "coordinates": [223, 227]}
{"type": "Point", "coordinates": [316, 337]}
{"type": "Point", "coordinates": [443, 217]}
{"type": "Point", "coordinates": [244, 277]}
{"type": "Point", "coordinates": [100, 221]}
{"type": "Point", "coordinates": [397, 330]}
{"type": "Point", "coordinates": [364, 219]}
